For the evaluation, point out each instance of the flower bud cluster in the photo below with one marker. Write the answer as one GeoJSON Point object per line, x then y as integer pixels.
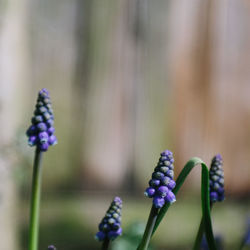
{"type": "Point", "coordinates": [110, 226]}
{"type": "Point", "coordinates": [162, 183]}
{"type": "Point", "coordinates": [41, 132]}
{"type": "Point", "coordinates": [216, 176]}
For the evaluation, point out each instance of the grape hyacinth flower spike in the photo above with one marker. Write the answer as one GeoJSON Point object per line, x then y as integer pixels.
{"type": "Point", "coordinates": [216, 176]}
{"type": "Point", "coordinates": [41, 131]}
{"type": "Point", "coordinates": [160, 190]}
{"type": "Point", "coordinates": [162, 183]}
{"type": "Point", "coordinates": [110, 226]}
{"type": "Point", "coordinates": [40, 134]}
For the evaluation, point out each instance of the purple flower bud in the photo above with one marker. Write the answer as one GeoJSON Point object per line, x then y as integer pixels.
{"type": "Point", "coordinates": [41, 126]}
{"type": "Point", "coordinates": [221, 190]}
{"type": "Point", "coordinates": [42, 109]}
{"type": "Point", "coordinates": [171, 184]}
{"type": "Point", "coordinates": [113, 234]}
{"type": "Point", "coordinates": [38, 118]}
{"type": "Point", "coordinates": [158, 202]}
{"type": "Point", "coordinates": [118, 201]}
{"type": "Point", "coordinates": [162, 191]}
{"type": "Point", "coordinates": [51, 130]}
{"type": "Point", "coordinates": [32, 140]}
{"type": "Point", "coordinates": [106, 227]}
{"type": "Point", "coordinates": [165, 180]}
{"type": "Point", "coordinates": [166, 153]}
{"type": "Point", "coordinates": [170, 197]}
{"type": "Point", "coordinates": [164, 169]}
{"type": "Point", "coordinates": [149, 192]}
{"type": "Point", "coordinates": [43, 137]}
{"type": "Point", "coordinates": [44, 146]}
{"type": "Point", "coordinates": [52, 140]}
{"type": "Point", "coordinates": [44, 92]}
{"type": "Point", "coordinates": [50, 123]}
{"type": "Point", "coordinates": [157, 175]}
{"type": "Point", "coordinates": [154, 183]}
{"type": "Point", "coordinates": [46, 116]}
{"type": "Point", "coordinates": [116, 226]}
{"type": "Point", "coordinates": [213, 196]}
{"type": "Point", "coordinates": [31, 130]}
{"type": "Point", "coordinates": [170, 173]}
{"type": "Point", "coordinates": [100, 236]}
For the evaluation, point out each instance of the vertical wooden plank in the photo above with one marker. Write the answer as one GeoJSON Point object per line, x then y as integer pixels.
{"type": "Point", "coordinates": [13, 85]}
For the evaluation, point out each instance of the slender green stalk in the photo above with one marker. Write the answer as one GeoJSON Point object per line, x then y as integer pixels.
{"type": "Point", "coordinates": [149, 228]}
{"type": "Point", "coordinates": [200, 233]}
{"type": "Point", "coordinates": [35, 201]}
{"type": "Point", "coordinates": [105, 244]}
{"type": "Point", "coordinates": [197, 243]}
{"type": "Point", "coordinates": [204, 197]}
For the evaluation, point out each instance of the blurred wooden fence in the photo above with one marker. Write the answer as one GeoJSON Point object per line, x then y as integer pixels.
{"type": "Point", "coordinates": [129, 79]}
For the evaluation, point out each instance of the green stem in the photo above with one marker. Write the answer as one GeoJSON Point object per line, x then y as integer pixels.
{"type": "Point", "coordinates": [198, 239]}
{"type": "Point", "coordinates": [35, 201]}
{"type": "Point", "coordinates": [200, 233]}
{"type": "Point", "coordinates": [105, 244]}
{"type": "Point", "coordinates": [149, 228]}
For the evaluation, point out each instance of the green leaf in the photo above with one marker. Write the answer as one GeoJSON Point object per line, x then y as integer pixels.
{"type": "Point", "coordinates": [204, 197]}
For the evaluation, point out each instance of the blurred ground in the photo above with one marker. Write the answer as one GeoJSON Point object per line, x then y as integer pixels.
{"type": "Point", "coordinates": [70, 222]}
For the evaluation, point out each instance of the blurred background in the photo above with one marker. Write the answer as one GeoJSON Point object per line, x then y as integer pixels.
{"type": "Point", "coordinates": [128, 79]}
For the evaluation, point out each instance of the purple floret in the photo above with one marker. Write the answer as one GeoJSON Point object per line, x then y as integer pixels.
{"type": "Point", "coordinates": [44, 146]}
{"type": "Point", "coordinates": [31, 130]}
{"type": "Point", "coordinates": [154, 182]}
{"type": "Point", "coordinates": [162, 191]}
{"type": "Point", "coordinates": [113, 234]}
{"type": "Point", "coordinates": [158, 201]}
{"type": "Point", "coordinates": [41, 126]}
{"type": "Point", "coordinates": [51, 130]}
{"type": "Point", "coordinates": [171, 184]}
{"type": "Point", "coordinates": [100, 236]}
{"type": "Point", "coordinates": [32, 140]}
{"type": "Point", "coordinates": [52, 140]}
{"type": "Point", "coordinates": [149, 192]}
{"type": "Point", "coordinates": [170, 197]}
{"type": "Point", "coordinates": [43, 137]}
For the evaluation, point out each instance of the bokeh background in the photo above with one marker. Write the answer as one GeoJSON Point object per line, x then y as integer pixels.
{"type": "Point", "coordinates": [128, 79]}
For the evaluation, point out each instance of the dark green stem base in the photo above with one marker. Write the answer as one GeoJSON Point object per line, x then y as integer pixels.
{"type": "Point", "coordinates": [197, 243]}
{"type": "Point", "coordinates": [149, 228]}
{"type": "Point", "coordinates": [105, 244]}
{"type": "Point", "coordinates": [35, 201]}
